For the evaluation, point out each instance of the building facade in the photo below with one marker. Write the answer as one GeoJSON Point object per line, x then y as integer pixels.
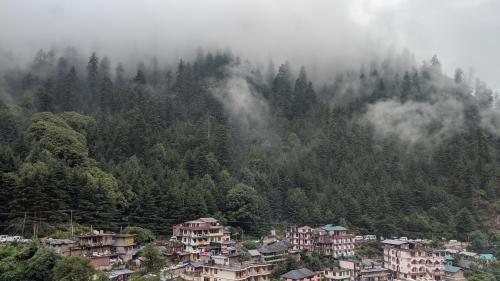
{"type": "Point", "coordinates": [300, 238]}
{"type": "Point", "coordinates": [366, 270]}
{"type": "Point", "coordinates": [124, 246]}
{"type": "Point", "coordinates": [220, 269]}
{"type": "Point", "coordinates": [338, 274]}
{"type": "Point", "coordinates": [103, 249]}
{"type": "Point", "coordinates": [334, 241]}
{"type": "Point", "coordinates": [274, 253]}
{"type": "Point", "coordinates": [329, 240]}
{"type": "Point", "coordinates": [196, 235]}
{"type": "Point", "coordinates": [60, 246]}
{"type": "Point", "coordinates": [412, 260]}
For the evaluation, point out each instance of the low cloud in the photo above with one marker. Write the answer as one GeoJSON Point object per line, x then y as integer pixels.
{"type": "Point", "coordinates": [416, 122]}
{"type": "Point", "coordinates": [245, 105]}
{"type": "Point", "coordinates": [490, 120]}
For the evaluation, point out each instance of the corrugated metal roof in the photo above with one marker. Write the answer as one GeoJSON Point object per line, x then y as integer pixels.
{"type": "Point", "coordinates": [254, 253]}
{"type": "Point", "coordinates": [394, 242]}
{"type": "Point", "coordinates": [330, 227]}
{"type": "Point", "coordinates": [451, 268]}
{"type": "Point", "coordinates": [487, 256]}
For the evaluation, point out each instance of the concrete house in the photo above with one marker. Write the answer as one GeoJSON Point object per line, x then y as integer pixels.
{"type": "Point", "coordinates": [411, 260]}
{"type": "Point", "coordinates": [366, 269]}
{"type": "Point", "coordinates": [334, 241]}
{"type": "Point", "coordinates": [300, 238]}
{"type": "Point", "coordinates": [196, 235]}
{"type": "Point", "coordinates": [453, 273]}
{"type": "Point", "coordinates": [220, 269]}
{"type": "Point", "coordinates": [274, 253]}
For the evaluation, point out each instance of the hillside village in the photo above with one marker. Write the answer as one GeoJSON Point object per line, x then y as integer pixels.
{"type": "Point", "coordinates": [204, 250]}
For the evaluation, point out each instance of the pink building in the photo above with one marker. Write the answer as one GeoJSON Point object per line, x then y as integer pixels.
{"type": "Point", "coordinates": [300, 237]}
{"type": "Point", "coordinates": [334, 241]}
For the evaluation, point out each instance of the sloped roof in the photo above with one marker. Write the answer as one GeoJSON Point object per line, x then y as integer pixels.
{"type": "Point", "coordinates": [466, 264]}
{"type": "Point", "coordinates": [394, 242]}
{"type": "Point", "coordinates": [116, 273]}
{"type": "Point", "coordinates": [197, 264]}
{"type": "Point", "coordinates": [468, 254]}
{"type": "Point", "coordinates": [451, 268]}
{"type": "Point", "coordinates": [330, 227]}
{"type": "Point", "coordinates": [254, 253]}
{"type": "Point", "coordinates": [449, 258]}
{"type": "Point", "coordinates": [276, 247]}
{"type": "Point", "coordinates": [487, 256]}
{"type": "Point", "coordinates": [298, 274]}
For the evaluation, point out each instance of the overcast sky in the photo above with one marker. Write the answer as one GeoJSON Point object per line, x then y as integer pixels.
{"type": "Point", "coordinates": [462, 33]}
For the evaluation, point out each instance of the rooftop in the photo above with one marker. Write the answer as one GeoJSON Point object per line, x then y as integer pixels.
{"type": "Point", "coordinates": [254, 253]}
{"type": "Point", "coordinates": [116, 273]}
{"type": "Point", "coordinates": [53, 241]}
{"type": "Point", "coordinates": [394, 242]}
{"type": "Point", "coordinates": [330, 227]}
{"type": "Point", "coordinates": [203, 220]}
{"type": "Point", "coordinates": [276, 247]}
{"type": "Point", "coordinates": [451, 268]}
{"type": "Point", "coordinates": [487, 256]}
{"type": "Point", "coordinates": [449, 258]}
{"type": "Point", "coordinates": [298, 274]}
{"type": "Point", "coordinates": [468, 254]}
{"type": "Point", "coordinates": [235, 266]}
{"type": "Point", "coordinates": [124, 235]}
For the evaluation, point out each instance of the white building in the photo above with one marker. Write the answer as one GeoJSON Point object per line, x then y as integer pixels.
{"type": "Point", "coordinates": [411, 260]}
{"type": "Point", "coordinates": [220, 269]}
{"type": "Point", "coordinates": [196, 235]}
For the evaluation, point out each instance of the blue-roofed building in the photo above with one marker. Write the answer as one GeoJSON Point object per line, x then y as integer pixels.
{"type": "Point", "coordinates": [330, 227]}
{"type": "Point", "coordinates": [334, 241]}
{"type": "Point", "coordinates": [449, 258]}
{"type": "Point", "coordinates": [453, 273]}
{"type": "Point", "coordinates": [487, 258]}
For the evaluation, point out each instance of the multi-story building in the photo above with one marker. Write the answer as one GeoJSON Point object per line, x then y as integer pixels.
{"type": "Point", "coordinates": [366, 270]}
{"type": "Point", "coordinates": [338, 274]}
{"type": "Point", "coordinates": [102, 248]}
{"type": "Point", "coordinates": [334, 241]}
{"type": "Point", "coordinates": [300, 238]}
{"type": "Point", "coordinates": [93, 244]}
{"type": "Point", "coordinates": [124, 246]}
{"type": "Point", "coordinates": [275, 253]}
{"type": "Point", "coordinates": [221, 269]}
{"type": "Point", "coordinates": [412, 259]}
{"type": "Point", "coordinates": [196, 235]}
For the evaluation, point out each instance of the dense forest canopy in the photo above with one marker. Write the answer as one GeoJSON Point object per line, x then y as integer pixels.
{"type": "Point", "coordinates": [393, 148]}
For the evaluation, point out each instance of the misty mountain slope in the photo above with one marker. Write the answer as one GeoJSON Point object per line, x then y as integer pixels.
{"type": "Point", "coordinates": [392, 149]}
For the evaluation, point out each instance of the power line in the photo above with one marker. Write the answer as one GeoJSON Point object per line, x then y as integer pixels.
{"type": "Point", "coordinates": [117, 220]}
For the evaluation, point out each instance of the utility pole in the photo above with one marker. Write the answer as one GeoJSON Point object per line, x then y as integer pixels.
{"type": "Point", "coordinates": [71, 222]}
{"type": "Point", "coordinates": [24, 221]}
